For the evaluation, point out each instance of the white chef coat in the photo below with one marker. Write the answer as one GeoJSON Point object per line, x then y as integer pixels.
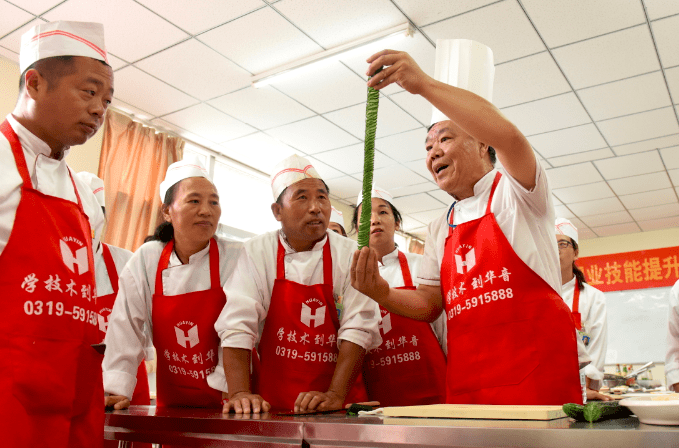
{"type": "Point", "coordinates": [49, 176]}
{"type": "Point", "coordinates": [120, 258]}
{"type": "Point", "coordinates": [390, 270]}
{"type": "Point", "coordinates": [132, 311]}
{"type": "Point", "coordinates": [593, 316]}
{"type": "Point", "coordinates": [672, 357]}
{"type": "Point", "coordinates": [248, 292]}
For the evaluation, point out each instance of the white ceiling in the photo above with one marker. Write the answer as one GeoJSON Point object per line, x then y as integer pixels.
{"type": "Point", "coordinates": [594, 85]}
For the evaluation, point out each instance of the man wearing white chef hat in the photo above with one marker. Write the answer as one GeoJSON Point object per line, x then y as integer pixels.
{"type": "Point", "coordinates": [587, 304]}
{"type": "Point", "coordinates": [48, 219]}
{"type": "Point", "coordinates": [291, 298]}
{"type": "Point", "coordinates": [490, 262]}
{"type": "Point", "coordinates": [336, 223]}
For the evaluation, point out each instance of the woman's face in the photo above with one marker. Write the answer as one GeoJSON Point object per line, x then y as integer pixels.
{"type": "Point", "coordinates": [195, 211]}
{"type": "Point", "coordinates": [567, 253]}
{"type": "Point", "coordinates": [383, 225]}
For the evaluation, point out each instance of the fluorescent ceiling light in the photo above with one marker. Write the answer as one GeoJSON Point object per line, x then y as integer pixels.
{"type": "Point", "coordinates": [333, 54]}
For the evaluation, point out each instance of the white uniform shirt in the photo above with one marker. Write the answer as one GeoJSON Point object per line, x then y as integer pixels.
{"type": "Point", "coordinates": [390, 270]}
{"type": "Point", "coordinates": [248, 292]}
{"type": "Point", "coordinates": [672, 358]}
{"type": "Point", "coordinates": [49, 176]}
{"type": "Point", "coordinates": [593, 316]}
{"type": "Point", "coordinates": [125, 339]}
{"type": "Point", "coordinates": [120, 258]}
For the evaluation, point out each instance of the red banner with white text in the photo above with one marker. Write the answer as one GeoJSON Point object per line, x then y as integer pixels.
{"type": "Point", "coordinates": [652, 268]}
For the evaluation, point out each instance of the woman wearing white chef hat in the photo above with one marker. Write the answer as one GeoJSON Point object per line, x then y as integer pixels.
{"type": "Point", "coordinates": [173, 285]}
{"type": "Point", "coordinates": [587, 304]}
{"type": "Point", "coordinates": [406, 370]}
{"type": "Point", "coordinates": [336, 223]}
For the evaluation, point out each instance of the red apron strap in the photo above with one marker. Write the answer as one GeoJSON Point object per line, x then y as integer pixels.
{"type": "Point", "coordinates": [110, 267]}
{"type": "Point", "coordinates": [280, 261]}
{"type": "Point", "coordinates": [327, 264]}
{"type": "Point", "coordinates": [405, 270]}
{"type": "Point", "coordinates": [492, 191]}
{"type": "Point", "coordinates": [163, 262]}
{"type": "Point", "coordinates": [75, 189]}
{"type": "Point", "coordinates": [214, 264]}
{"type": "Point", "coordinates": [576, 306]}
{"type": "Point", "coordinates": [18, 152]}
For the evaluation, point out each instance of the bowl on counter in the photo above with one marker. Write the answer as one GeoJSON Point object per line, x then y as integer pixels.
{"type": "Point", "coordinates": [655, 409]}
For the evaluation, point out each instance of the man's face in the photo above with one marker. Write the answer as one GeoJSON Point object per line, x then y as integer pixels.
{"type": "Point", "coordinates": [304, 211]}
{"type": "Point", "coordinates": [72, 109]}
{"type": "Point", "coordinates": [454, 158]}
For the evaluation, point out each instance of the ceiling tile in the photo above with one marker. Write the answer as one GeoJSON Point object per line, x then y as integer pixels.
{"type": "Point", "coordinates": [573, 175]}
{"type": "Point", "coordinates": [324, 87]}
{"type": "Point", "coordinates": [670, 157]}
{"type": "Point", "coordinates": [565, 22]}
{"type": "Point", "coordinates": [647, 145]}
{"type": "Point", "coordinates": [9, 55]}
{"type": "Point", "coordinates": [414, 189]}
{"type": "Point", "coordinates": [202, 14]}
{"type": "Point", "coordinates": [415, 105]}
{"type": "Point", "coordinates": [202, 73]}
{"type": "Point", "coordinates": [115, 62]}
{"type": "Point", "coordinates": [568, 141]}
{"type": "Point", "coordinates": [408, 223]}
{"type": "Point", "coordinates": [163, 125]}
{"type": "Point", "coordinates": [326, 171]}
{"type": "Point", "coordinates": [617, 229]}
{"type": "Point", "coordinates": [510, 37]}
{"type": "Point", "coordinates": [672, 76]}
{"type": "Point", "coordinates": [12, 41]}
{"type": "Point", "coordinates": [607, 219]}
{"type": "Point", "coordinates": [527, 79]}
{"type": "Point", "coordinates": [148, 93]}
{"type": "Point", "coordinates": [258, 151]}
{"type": "Point", "coordinates": [437, 10]}
{"type": "Point", "coordinates": [420, 167]}
{"type": "Point", "coordinates": [608, 58]}
{"type": "Point", "coordinates": [674, 176]}
{"type": "Point", "coordinates": [36, 7]}
{"type": "Point", "coordinates": [661, 223]}
{"type": "Point", "coordinates": [336, 23]}
{"type": "Point", "coordinates": [132, 31]}
{"type": "Point", "coordinates": [428, 216]}
{"type": "Point", "coordinates": [394, 176]}
{"type": "Point", "coordinates": [632, 165]}
{"type": "Point", "coordinates": [350, 159]}
{"type": "Point", "coordinates": [344, 187]}
{"type": "Point", "coordinates": [649, 198]}
{"type": "Point", "coordinates": [580, 193]}
{"type": "Point", "coordinates": [582, 157]}
{"type": "Point", "coordinates": [586, 234]}
{"type": "Point", "coordinates": [642, 126]}
{"type": "Point", "coordinates": [657, 211]}
{"type": "Point", "coordinates": [640, 184]}
{"type": "Point", "coordinates": [578, 223]}
{"type": "Point", "coordinates": [665, 33]}
{"type": "Point", "coordinates": [131, 110]}
{"type": "Point", "coordinates": [263, 108]}
{"type": "Point", "coordinates": [561, 211]}
{"type": "Point", "coordinates": [391, 119]}
{"type": "Point", "coordinates": [417, 203]}
{"type": "Point", "coordinates": [210, 123]}
{"type": "Point", "coordinates": [629, 96]}
{"type": "Point", "coordinates": [657, 9]}
{"type": "Point", "coordinates": [549, 114]}
{"type": "Point", "coordinates": [313, 135]}
{"type": "Point", "coordinates": [420, 233]}
{"type": "Point", "coordinates": [403, 147]}
{"type": "Point", "coordinates": [12, 17]}
{"type": "Point", "coordinates": [441, 195]}
{"type": "Point", "coordinates": [265, 40]}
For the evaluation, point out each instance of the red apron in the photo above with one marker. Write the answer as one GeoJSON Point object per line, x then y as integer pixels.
{"type": "Point", "coordinates": [506, 325]}
{"type": "Point", "coordinates": [298, 348]}
{"type": "Point", "coordinates": [141, 394]}
{"type": "Point", "coordinates": [185, 338]}
{"type": "Point", "coordinates": [577, 317]}
{"type": "Point", "coordinates": [406, 370]}
{"type": "Point", "coordinates": [50, 377]}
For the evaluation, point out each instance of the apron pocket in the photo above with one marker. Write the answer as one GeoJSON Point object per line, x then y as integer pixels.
{"type": "Point", "coordinates": [44, 374]}
{"type": "Point", "coordinates": [497, 355]}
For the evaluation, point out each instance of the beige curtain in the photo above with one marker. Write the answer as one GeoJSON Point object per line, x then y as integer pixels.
{"type": "Point", "coordinates": [416, 246]}
{"type": "Point", "coordinates": [133, 162]}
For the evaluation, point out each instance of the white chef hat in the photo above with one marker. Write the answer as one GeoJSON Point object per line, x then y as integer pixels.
{"type": "Point", "coordinates": [465, 64]}
{"type": "Point", "coordinates": [62, 38]}
{"type": "Point", "coordinates": [565, 227]}
{"type": "Point", "coordinates": [190, 166]}
{"type": "Point", "coordinates": [336, 216]}
{"type": "Point", "coordinates": [289, 171]}
{"type": "Point", "coordinates": [376, 192]}
{"type": "Point", "coordinates": [96, 184]}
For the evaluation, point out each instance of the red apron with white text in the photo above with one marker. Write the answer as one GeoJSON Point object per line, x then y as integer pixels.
{"type": "Point", "coordinates": [407, 368]}
{"type": "Point", "coordinates": [141, 395]}
{"type": "Point", "coordinates": [185, 338]}
{"type": "Point", "coordinates": [298, 348]}
{"type": "Point", "coordinates": [506, 325]}
{"type": "Point", "coordinates": [50, 377]}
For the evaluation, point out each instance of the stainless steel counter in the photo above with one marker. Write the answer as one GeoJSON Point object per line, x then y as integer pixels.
{"type": "Point", "coordinates": [200, 427]}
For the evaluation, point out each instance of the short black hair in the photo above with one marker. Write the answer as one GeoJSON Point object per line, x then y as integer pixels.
{"type": "Point", "coordinates": [491, 150]}
{"type": "Point", "coordinates": [52, 69]}
{"type": "Point", "coordinates": [397, 216]}
{"type": "Point", "coordinates": [279, 199]}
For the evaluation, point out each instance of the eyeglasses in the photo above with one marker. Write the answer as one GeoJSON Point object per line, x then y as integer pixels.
{"type": "Point", "coordinates": [564, 244]}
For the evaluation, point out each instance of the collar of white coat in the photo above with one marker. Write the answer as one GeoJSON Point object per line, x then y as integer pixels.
{"type": "Point", "coordinates": [390, 258]}
{"type": "Point", "coordinates": [193, 259]}
{"type": "Point", "coordinates": [29, 141]}
{"type": "Point", "coordinates": [568, 285]}
{"type": "Point", "coordinates": [482, 184]}
{"type": "Point", "coordinates": [289, 250]}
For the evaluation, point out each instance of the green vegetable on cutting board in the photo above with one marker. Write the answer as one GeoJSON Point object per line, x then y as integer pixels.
{"type": "Point", "coordinates": [595, 410]}
{"type": "Point", "coordinates": [368, 162]}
